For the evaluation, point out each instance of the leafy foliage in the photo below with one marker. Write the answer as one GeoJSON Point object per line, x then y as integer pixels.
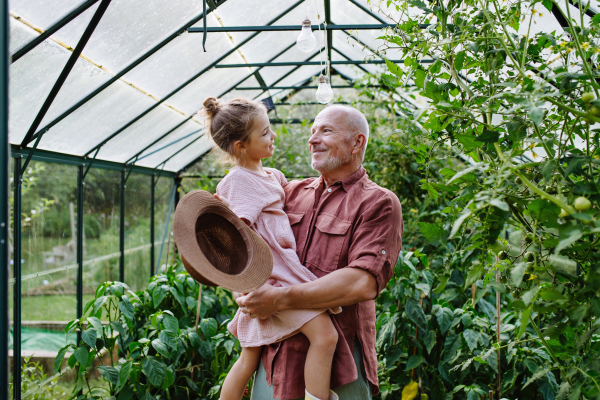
{"type": "Point", "coordinates": [150, 338]}
{"type": "Point", "coordinates": [497, 161]}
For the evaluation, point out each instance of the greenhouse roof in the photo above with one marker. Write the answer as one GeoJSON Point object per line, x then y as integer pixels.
{"type": "Point", "coordinates": [135, 86]}
{"type": "Point", "coordinates": [120, 82]}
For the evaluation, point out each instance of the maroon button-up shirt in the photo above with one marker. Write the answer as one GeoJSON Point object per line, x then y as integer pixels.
{"type": "Point", "coordinates": [352, 224]}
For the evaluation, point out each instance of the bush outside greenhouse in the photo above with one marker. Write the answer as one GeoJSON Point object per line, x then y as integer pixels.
{"type": "Point", "coordinates": [484, 120]}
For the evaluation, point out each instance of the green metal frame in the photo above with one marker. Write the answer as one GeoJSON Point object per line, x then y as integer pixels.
{"type": "Point", "coordinates": [282, 28]}
{"type": "Point", "coordinates": [303, 63]}
{"type": "Point", "coordinates": [18, 180]}
{"type": "Point", "coordinates": [297, 87]}
{"type": "Point", "coordinates": [4, 198]}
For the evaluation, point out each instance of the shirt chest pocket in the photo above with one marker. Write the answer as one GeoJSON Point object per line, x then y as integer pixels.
{"type": "Point", "coordinates": [328, 242]}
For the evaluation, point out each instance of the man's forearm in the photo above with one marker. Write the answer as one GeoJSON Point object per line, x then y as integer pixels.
{"type": "Point", "coordinates": [340, 288]}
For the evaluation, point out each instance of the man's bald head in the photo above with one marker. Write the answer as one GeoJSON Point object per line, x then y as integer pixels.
{"type": "Point", "coordinates": [353, 120]}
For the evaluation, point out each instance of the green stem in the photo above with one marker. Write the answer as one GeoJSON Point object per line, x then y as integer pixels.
{"type": "Point", "coordinates": [534, 187]}
{"type": "Point", "coordinates": [580, 50]}
{"type": "Point", "coordinates": [572, 110]}
{"type": "Point", "coordinates": [526, 41]}
{"type": "Point", "coordinates": [547, 346]}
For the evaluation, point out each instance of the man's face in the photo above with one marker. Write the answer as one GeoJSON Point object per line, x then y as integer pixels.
{"type": "Point", "coordinates": [330, 144]}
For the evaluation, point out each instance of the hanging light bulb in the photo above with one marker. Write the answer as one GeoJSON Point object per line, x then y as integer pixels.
{"type": "Point", "coordinates": [306, 41]}
{"type": "Point", "coordinates": [324, 92]}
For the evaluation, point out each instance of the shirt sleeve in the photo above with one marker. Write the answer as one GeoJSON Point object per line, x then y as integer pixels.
{"type": "Point", "coordinates": [245, 199]}
{"type": "Point", "coordinates": [377, 239]}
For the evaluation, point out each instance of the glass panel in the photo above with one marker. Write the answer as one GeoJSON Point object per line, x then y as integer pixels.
{"type": "Point", "coordinates": [163, 196]}
{"type": "Point", "coordinates": [179, 61]}
{"type": "Point", "coordinates": [139, 135]}
{"type": "Point", "coordinates": [137, 231]}
{"type": "Point", "coordinates": [351, 71]}
{"type": "Point", "coordinates": [189, 154]}
{"type": "Point", "coordinates": [170, 145]}
{"type": "Point", "coordinates": [129, 28]}
{"type": "Point", "coordinates": [48, 257]}
{"type": "Point", "coordinates": [272, 74]}
{"type": "Point", "coordinates": [101, 197]}
{"type": "Point", "coordinates": [96, 120]}
{"type": "Point", "coordinates": [44, 13]}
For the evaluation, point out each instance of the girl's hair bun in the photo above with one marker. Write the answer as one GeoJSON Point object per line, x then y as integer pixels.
{"type": "Point", "coordinates": [211, 107]}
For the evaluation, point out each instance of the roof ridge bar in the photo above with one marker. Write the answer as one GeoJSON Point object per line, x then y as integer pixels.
{"type": "Point", "coordinates": [300, 63]}
{"type": "Point", "coordinates": [365, 9]}
{"type": "Point", "coordinates": [87, 34]}
{"type": "Point", "coordinates": [52, 29]}
{"type": "Point", "coordinates": [192, 79]}
{"type": "Point", "coordinates": [299, 87]}
{"type": "Point", "coordinates": [187, 119]}
{"type": "Point", "coordinates": [125, 70]}
{"type": "Point", "coordinates": [281, 28]}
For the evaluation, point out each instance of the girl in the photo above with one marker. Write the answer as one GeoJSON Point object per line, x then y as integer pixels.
{"type": "Point", "coordinates": [241, 128]}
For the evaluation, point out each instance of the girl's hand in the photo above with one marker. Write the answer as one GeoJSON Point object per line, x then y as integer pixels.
{"type": "Point", "coordinates": [237, 295]}
{"type": "Point", "coordinates": [225, 202]}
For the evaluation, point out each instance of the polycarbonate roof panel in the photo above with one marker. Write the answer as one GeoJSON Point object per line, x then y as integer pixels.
{"type": "Point", "coordinates": [141, 134]}
{"type": "Point", "coordinates": [96, 120]}
{"type": "Point", "coordinates": [44, 13]}
{"type": "Point", "coordinates": [31, 79]}
{"type": "Point", "coordinates": [170, 145]}
{"type": "Point", "coordinates": [178, 62]}
{"type": "Point", "coordinates": [129, 28]}
{"type": "Point", "coordinates": [20, 35]}
{"type": "Point", "coordinates": [189, 154]}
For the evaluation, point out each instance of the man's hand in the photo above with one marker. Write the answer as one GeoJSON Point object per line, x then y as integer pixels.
{"type": "Point", "coordinates": [261, 303]}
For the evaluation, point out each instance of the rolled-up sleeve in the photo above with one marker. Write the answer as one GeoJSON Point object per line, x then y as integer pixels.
{"type": "Point", "coordinates": [377, 239]}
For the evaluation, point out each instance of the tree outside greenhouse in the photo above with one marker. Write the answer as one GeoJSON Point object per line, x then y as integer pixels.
{"type": "Point", "coordinates": [485, 123]}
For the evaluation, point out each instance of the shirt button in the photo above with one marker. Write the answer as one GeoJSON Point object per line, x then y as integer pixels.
{"type": "Point", "coordinates": [382, 251]}
{"type": "Point", "coordinates": [329, 190]}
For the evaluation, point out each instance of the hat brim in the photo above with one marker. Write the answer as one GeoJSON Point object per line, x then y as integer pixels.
{"type": "Point", "coordinates": [259, 264]}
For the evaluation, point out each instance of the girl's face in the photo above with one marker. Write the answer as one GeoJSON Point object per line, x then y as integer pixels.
{"type": "Point", "coordinates": [260, 143]}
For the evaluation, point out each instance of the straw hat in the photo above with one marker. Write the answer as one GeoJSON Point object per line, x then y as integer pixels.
{"type": "Point", "coordinates": [217, 248]}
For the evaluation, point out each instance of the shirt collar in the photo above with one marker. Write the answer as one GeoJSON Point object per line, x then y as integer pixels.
{"type": "Point", "coordinates": [346, 183]}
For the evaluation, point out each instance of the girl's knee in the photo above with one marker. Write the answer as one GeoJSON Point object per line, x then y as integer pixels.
{"type": "Point", "coordinates": [328, 338]}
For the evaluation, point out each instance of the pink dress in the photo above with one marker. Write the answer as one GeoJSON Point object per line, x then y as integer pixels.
{"type": "Point", "coordinates": [260, 199]}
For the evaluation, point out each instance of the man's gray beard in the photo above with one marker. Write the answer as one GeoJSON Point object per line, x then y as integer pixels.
{"type": "Point", "coordinates": [329, 164]}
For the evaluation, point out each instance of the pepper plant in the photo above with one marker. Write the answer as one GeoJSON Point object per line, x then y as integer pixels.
{"type": "Point", "coordinates": [149, 345]}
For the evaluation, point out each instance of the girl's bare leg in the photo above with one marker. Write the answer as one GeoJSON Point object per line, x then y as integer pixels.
{"type": "Point", "coordinates": [323, 339]}
{"type": "Point", "coordinates": [237, 379]}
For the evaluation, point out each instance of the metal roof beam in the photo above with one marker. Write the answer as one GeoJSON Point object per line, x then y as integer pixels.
{"type": "Point", "coordinates": [348, 58]}
{"type": "Point", "coordinates": [66, 71]}
{"type": "Point", "coordinates": [200, 157]}
{"type": "Point", "coordinates": [125, 70]}
{"type": "Point", "coordinates": [54, 28]}
{"type": "Point", "coordinates": [329, 33]}
{"type": "Point", "coordinates": [297, 87]}
{"type": "Point", "coordinates": [282, 28]}
{"type": "Point", "coordinates": [300, 63]}
{"type": "Point", "coordinates": [192, 79]}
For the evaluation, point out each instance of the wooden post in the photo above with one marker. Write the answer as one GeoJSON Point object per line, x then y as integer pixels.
{"type": "Point", "coordinates": [491, 393]}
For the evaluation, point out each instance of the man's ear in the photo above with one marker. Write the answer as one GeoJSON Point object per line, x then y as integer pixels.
{"type": "Point", "coordinates": [359, 141]}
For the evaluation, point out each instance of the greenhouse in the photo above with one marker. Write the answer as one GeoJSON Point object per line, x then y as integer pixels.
{"type": "Point", "coordinates": [484, 121]}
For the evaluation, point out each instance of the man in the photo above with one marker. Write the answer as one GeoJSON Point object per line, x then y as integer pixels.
{"type": "Point", "coordinates": [348, 232]}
